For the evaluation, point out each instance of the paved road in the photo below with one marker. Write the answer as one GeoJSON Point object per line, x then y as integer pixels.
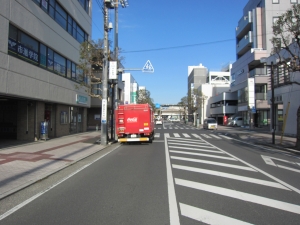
{"type": "Point", "coordinates": [186, 176]}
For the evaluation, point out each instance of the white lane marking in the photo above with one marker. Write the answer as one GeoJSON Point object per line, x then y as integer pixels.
{"type": "Point", "coordinates": [288, 168]}
{"type": "Point", "coordinates": [14, 209]}
{"type": "Point", "coordinates": [204, 135]}
{"type": "Point", "coordinates": [259, 170]}
{"type": "Point", "coordinates": [173, 210]}
{"type": "Point", "coordinates": [215, 136]}
{"type": "Point", "coordinates": [240, 195]}
{"type": "Point", "coordinates": [205, 155]}
{"type": "Point", "coordinates": [198, 145]}
{"type": "Point", "coordinates": [186, 135]}
{"type": "Point", "coordinates": [196, 149]}
{"type": "Point", "coordinates": [223, 136]}
{"type": "Point", "coordinates": [231, 176]}
{"type": "Point", "coordinates": [208, 217]}
{"type": "Point", "coordinates": [176, 135]}
{"type": "Point", "coordinates": [268, 160]}
{"type": "Point", "coordinates": [157, 135]}
{"type": "Point", "coordinates": [197, 136]}
{"type": "Point", "coordinates": [213, 163]}
{"type": "Point", "coordinates": [192, 141]}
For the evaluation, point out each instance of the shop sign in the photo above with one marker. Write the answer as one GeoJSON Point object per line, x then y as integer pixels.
{"type": "Point", "coordinates": [80, 99]}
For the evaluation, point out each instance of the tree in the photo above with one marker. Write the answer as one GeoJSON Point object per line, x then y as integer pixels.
{"type": "Point", "coordinates": [286, 40]}
{"type": "Point", "coordinates": [286, 47]}
{"type": "Point", "coordinates": [184, 105]}
{"type": "Point", "coordinates": [91, 65]}
{"type": "Point", "coordinates": [144, 96]}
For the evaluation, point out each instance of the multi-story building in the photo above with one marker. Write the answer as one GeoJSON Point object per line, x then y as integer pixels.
{"type": "Point", "coordinates": [131, 88]}
{"type": "Point", "coordinates": [39, 78]}
{"type": "Point", "coordinates": [197, 75]}
{"type": "Point", "coordinates": [248, 75]}
{"type": "Point", "coordinates": [211, 101]}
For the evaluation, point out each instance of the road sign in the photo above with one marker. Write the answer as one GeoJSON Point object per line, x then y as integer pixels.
{"type": "Point", "coordinates": [148, 68]}
{"type": "Point", "coordinates": [253, 109]}
{"type": "Point", "coordinates": [104, 108]}
{"type": "Point", "coordinates": [112, 70]}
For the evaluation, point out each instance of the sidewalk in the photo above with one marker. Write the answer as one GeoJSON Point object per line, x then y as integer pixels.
{"type": "Point", "coordinates": [24, 164]}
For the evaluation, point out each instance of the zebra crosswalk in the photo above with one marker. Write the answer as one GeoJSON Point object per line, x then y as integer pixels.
{"type": "Point", "coordinates": [185, 135]}
{"type": "Point", "coordinates": [193, 168]}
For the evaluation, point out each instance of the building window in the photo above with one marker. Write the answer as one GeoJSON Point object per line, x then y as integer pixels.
{"type": "Point", "coordinates": [85, 4]}
{"type": "Point", "coordinates": [275, 1]}
{"type": "Point", "coordinates": [28, 49]}
{"type": "Point", "coordinates": [57, 13]}
{"type": "Point", "coordinates": [43, 56]}
{"type": "Point", "coordinates": [69, 71]}
{"type": "Point", "coordinates": [61, 16]}
{"type": "Point", "coordinates": [293, 1]}
{"type": "Point", "coordinates": [59, 64]}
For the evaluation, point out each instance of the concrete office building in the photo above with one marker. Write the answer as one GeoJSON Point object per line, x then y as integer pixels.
{"type": "Point", "coordinates": [197, 75]}
{"type": "Point", "coordinates": [39, 51]}
{"type": "Point", "coordinates": [131, 88]}
{"type": "Point", "coordinates": [249, 78]}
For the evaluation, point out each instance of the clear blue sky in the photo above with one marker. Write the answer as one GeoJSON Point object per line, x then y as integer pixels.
{"type": "Point", "coordinates": [173, 35]}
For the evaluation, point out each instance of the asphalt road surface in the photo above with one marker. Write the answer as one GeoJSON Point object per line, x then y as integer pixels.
{"type": "Point", "coordinates": [186, 176]}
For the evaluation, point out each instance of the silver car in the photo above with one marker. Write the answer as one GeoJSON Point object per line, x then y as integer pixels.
{"type": "Point", "coordinates": [210, 123]}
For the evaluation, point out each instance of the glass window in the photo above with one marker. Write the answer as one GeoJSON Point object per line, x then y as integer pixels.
{"type": "Point", "coordinates": [28, 48]}
{"type": "Point", "coordinates": [74, 29]}
{"type": "Point", "coordinates": [80, 35]}
{"type": "Point", "coordinates": [13, 32]}
{"type": "Point", "coordinates": [37, 2]}
{"type": "Point", "coordinates": [45, 5]}
{"type": "Point", "coordinates": [50, 59]}
{"type": "Point", "coordinates": [69, 71]}
{"type": "Point", "coordinates": [275, 1]}
{"type": "Point", "coordinates": [294, 1]}
{"type": "Point", "coordinates": [59, 64]}
{"type": "Point", "coordinates": [73, 71]}
{"type": "Point", "coordinates": [61, 16]}
{"type": "Point", "coordinates": [70, 27]}
{"type": "Point", "coordinates": [43, 55]}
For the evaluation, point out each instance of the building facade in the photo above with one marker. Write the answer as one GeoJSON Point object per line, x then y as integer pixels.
{"type": "Point", "coordinates": [249, 77]}
{"type": "Point", "coordinates": [39, 78]}
{"type": "Point", "coordinates": [131, 88]}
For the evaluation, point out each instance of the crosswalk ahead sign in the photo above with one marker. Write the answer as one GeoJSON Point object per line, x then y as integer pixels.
{"type": "Point", "coordinates": [148, 68]}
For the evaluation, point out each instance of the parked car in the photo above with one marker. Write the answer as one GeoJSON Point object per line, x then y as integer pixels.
{"type": "Point", "coordinates": [158, 121]}
{"type": "Point", "coordinates": [237, 122]}
{"type": "Point", "coordinates": [210, 123]}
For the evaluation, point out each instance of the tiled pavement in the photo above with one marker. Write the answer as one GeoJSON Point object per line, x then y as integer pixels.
{"type": "Point", "coordinates": [22, 165]}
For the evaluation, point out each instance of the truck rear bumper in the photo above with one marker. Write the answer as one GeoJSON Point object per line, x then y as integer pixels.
{"type": "Point", "coordinates": [133, 139]}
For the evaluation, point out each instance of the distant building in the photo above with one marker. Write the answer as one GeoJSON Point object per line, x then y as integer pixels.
{"type": "Point", "coordinates": [131, 88]}
{"type": "Point", "coordinates": [249, 77]}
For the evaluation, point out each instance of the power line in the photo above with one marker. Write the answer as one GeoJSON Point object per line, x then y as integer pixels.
{"type": "Point", "coordinates": [181, 46]}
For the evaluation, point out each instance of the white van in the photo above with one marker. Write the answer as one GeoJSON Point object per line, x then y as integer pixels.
{"type": "Point", "coordinates": [210, 123]}
{"type": "Point", "coordinates": [237, 121]}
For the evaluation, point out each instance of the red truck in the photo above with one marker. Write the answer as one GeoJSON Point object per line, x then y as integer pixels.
{"type": "Point", "coordinates": [134, 123]}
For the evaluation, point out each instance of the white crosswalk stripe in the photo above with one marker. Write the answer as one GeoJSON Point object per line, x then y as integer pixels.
{"type": "Point", "coordinates": [196, 150]}
{"type": "Point", "coordinates": [199, 136]}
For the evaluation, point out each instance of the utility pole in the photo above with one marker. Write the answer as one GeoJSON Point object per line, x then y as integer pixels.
{"type": "Point", "coordinates": [115, 84]}
{"type": "Point", "coordinates": [104, 79]}
{"type": "Point", "coordinates": [273, 104]}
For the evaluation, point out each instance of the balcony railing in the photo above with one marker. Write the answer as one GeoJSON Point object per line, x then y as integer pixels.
{"type": "Point", "coordinates": [260, 96]}
{"type": "Point", "coordinates": [257, 71]}
{"type": "Point", "coordinates": [244, 24]}
{"type": "Point", "coordinates": [245, 43]}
